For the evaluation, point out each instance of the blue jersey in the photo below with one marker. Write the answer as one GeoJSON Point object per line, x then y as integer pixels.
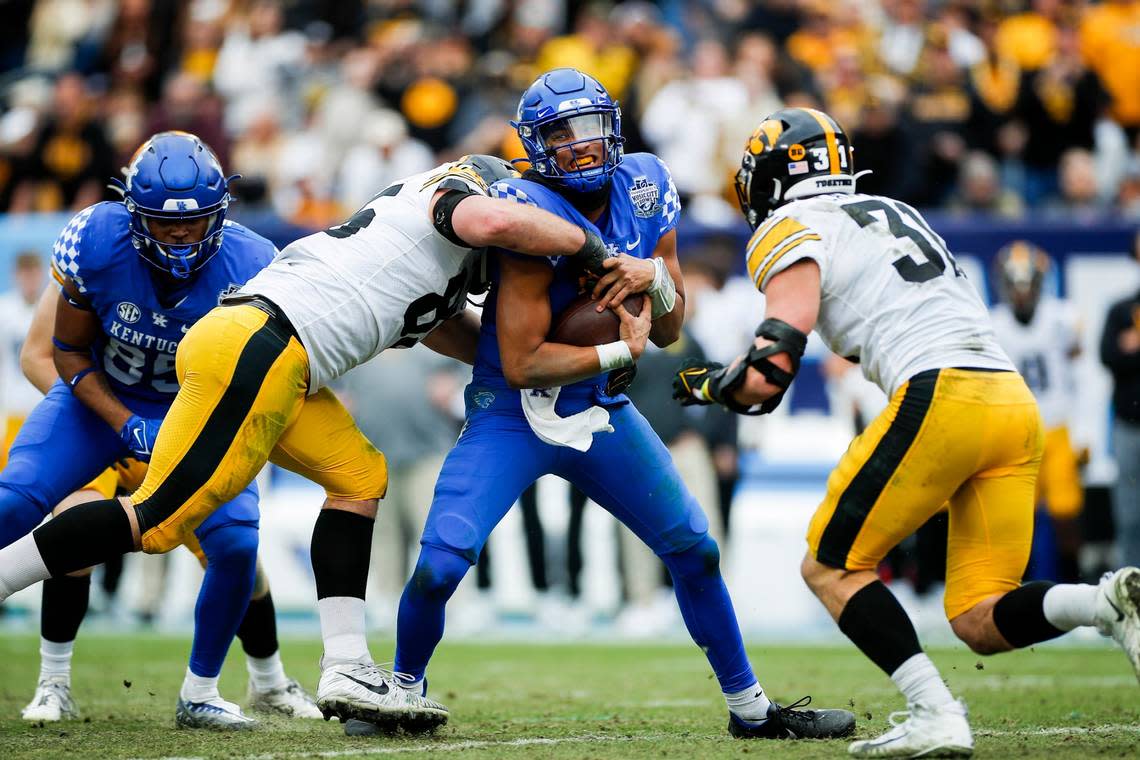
{"type": "Point", "coordinates": [643, 206]}
{"type": "Point", "coordinates": [143, 324]}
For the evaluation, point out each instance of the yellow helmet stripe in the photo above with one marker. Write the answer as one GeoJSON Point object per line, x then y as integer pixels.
{"type": "Point", "coordinates": [832, 143]}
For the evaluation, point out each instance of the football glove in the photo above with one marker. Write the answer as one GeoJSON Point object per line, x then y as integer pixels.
{"type": "Point", "coordinates": [139, 435]}
{"type": "Point", "coordinates": [620, 379]}
{"type": "Point", "coordinates": [696, 382]}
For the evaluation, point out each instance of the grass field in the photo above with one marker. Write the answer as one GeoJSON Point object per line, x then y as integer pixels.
{"type": "Point", "coordinates": [577, 701]}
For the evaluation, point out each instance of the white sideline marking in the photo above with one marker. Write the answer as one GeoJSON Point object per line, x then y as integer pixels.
{"type": "Point", "coordinates": [1064, 731]}
{"type": "Point", "coordinates": [442, 747]}
{"type": "Point", "coordinates": [596, 739]}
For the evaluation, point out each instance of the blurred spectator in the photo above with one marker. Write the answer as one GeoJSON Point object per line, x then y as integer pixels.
{"type": "Point", "coordinates": [1128, 196]}
{"type": "Point", "coordinates": [384, 154]}
{"type": "Point", "coordinates": [1110, 45]}
{"type": "Point", "coordinates": [593, 49]}
{"type": "Point", "coordinates": [189, 105]}
{"type": "Point", "coordinates": [903, 36]}
{"type": "Point", "coordinates": [17, 395]}
{"type": "Point", "coordinates": [884, 147]}
{"type": "Point", "coordinates": [71, 159]}
{"type": "Point", "coordinates": [939, 112]}
{"type": "Point", "coordinates": [685, 122]}
{"type": "Point", "coordinates": [994, 85]}
{"type": "Point", "coordinates": [1078, 197]}
{"type": "Point", "coordinates": [1030, 39]}
{"type": "Point", "coordinates": [980, 189]}
{"type": "Point", "coordinates": [258, 59]}
{"type": "Point", "coordinates": [140, 47]}
{"type": "Point", "coordinates": [1120, 352]}
{"type": "Point", "coordinates": [1059, 105]}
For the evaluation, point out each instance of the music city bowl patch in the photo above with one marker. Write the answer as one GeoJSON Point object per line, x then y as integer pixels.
{"type": "Point", "coordinates": [645, 195]}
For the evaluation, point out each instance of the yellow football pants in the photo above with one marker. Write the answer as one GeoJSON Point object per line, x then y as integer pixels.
{"type": "Point", "coordinates": [968, 437]}
{"type": "Point", "coordinates": [242, 402]}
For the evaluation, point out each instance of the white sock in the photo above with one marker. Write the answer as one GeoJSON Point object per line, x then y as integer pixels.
{"type": "Point", "coordinates": [20, 566]}
{"type": "Point", "coordinates": [342, 628]}
{"type": "Point", "coordinates": [749, 704]}
{"type": "Point", "coordinates": [416, 687]}
{"type": "Point", "coordinates": [1069, 605]}
{"type": "Point", "coordinates": [199, 688]}
{"type": "Point", "coordinates": [55, 661]}
{"type": "Point", "coordinates": [919, 681]}
{"type": "Point", "coordinates": [266, 673]}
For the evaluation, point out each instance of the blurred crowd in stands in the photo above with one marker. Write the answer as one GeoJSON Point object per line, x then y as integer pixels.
{"type": "Point", "coordinates": [998, 106]}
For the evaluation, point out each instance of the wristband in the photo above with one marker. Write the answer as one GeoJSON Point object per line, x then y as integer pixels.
{"type": "Point", "coordinates": [74, 381]}
{"type": "Point", "coordinates": [663, 292]}
{"type": "Point", "coordinates": [614, 355]}
{"type": "Point", "coordinates": [68, 348]}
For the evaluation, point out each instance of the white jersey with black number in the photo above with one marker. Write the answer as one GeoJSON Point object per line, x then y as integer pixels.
{"type": "Point", "coordinates": [1042, 351]}
{"type": "Point", "coordinates": [384, 278]}
{"type": "Point", "coordinates": [892, 296]}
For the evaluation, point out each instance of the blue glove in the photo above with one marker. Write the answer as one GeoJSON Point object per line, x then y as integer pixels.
{"type": "Point", "coordinates": [139, 434]}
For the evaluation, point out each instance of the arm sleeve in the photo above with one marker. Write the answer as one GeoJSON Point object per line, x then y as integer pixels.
{"type": "Point", "coordinates": [66, 259]}
{"type": "Point", "coordinates": [777, 244]}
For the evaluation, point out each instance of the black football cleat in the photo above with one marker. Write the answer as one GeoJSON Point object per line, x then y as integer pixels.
{"type": "Point", "coordinates": [793, 722]}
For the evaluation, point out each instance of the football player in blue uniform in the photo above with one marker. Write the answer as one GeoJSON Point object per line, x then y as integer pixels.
{"type": "Point", "coordinates": [571, 417]}
{"type": "Point", "coordinates": [134, 276]}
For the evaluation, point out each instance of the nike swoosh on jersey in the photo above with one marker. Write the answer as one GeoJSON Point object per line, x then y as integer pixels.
{"type": "Point", "coordinates": [185, 328]}
{"type": "Point", "coordinates": [634, 244]}
{"type": "Point", "coordinates": [381, 689]}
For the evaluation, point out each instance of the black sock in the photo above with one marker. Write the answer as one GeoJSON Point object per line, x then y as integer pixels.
{"type": "Point", "coordinates": [64, 607]}
{"type": "Point", "coordinates": [1020, 615]}
{"type": "Point", "coordinates": [876, 623]}
{"type": "Point", "coordinates": [340, 552]}
{"type": "Point", "coordinates": [258, 629]}
{"type": "Point", "coordinates": [83, 536]}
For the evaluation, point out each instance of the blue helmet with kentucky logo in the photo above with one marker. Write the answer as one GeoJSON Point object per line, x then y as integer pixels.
{"type": "Point", "coordinates": [570, 129]}
{"type": "Point", "coordinates": [794, 153]}
{"type": "Point", "coordinates": [174, 177]}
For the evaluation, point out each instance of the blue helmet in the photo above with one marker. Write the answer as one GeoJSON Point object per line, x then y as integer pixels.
{"type": "Point", "coordinates": [562, 110]}
{"type": "Point", "coordinates": [175, 176]}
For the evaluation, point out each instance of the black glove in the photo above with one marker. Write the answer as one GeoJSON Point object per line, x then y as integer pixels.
{"type": "Point", "coordinates": [620, 379]}
{"type": "Point", "coordinates": [695, 382]}
{"type": "Point", "coordinates": [592, 253]}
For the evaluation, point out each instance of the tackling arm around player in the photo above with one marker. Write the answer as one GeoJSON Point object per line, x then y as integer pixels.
{"type": "Point", "coordinates": [877, 284]}
{"type": "Point", "coordinates": [252, 376]}
{"type": "Point", "coordinates": [585, 430]}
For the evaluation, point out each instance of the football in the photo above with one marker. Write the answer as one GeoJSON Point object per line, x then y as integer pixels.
{"type": "Point", "coordinates": [580, 324]}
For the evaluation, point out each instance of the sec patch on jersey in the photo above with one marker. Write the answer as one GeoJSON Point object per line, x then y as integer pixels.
{"type": "Point", "coordinates": [581, 324]}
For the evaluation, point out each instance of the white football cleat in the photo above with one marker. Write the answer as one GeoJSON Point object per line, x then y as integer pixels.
{"type": "Point", "coordinates": [290, 700]}
{"type": "Point", "coordinates": [215, 714]}
{"type": "Point", "coordinates": [365, 692]}
{"type": "Point", "coordinates": [1118, 611]}
{"type": "Point", "coordinates": [924, 732]}
{"type": "Point", "coordinates": [51, 703]}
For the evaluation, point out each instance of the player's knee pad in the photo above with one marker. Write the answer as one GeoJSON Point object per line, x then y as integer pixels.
{"type": "Point", "coordinates": [700, 559]}
{"type": "Point", "coordinates": [231, 546]}
{"type": "Point", "coordinates": [438, 573]}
